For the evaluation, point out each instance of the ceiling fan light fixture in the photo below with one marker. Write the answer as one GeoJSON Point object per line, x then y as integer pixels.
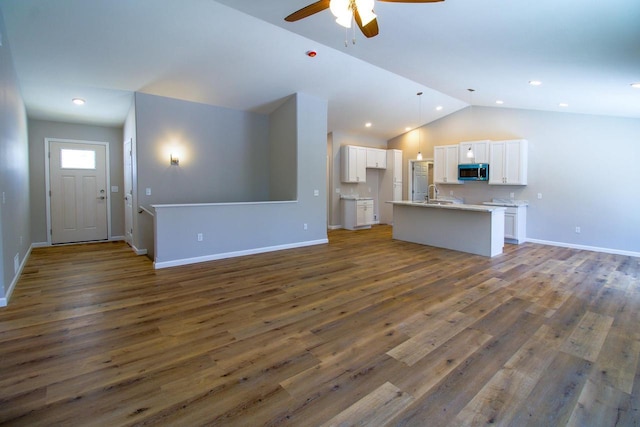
{"type": "Point", "coordinates": [342, 11]}
{"type": "Point", "coordinates": [365, 10]}
{"type": "Point", "coordinates": [635, 85]}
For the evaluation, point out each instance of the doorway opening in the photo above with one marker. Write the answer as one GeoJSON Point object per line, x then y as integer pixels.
{"type": "Point", "coordinates": [421, 176]}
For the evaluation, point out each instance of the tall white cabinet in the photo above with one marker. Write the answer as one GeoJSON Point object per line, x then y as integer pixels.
{"type": "Point", "coordinates": [390, 186]}
{"type": "Point", "coordinates": [445, 164]}
{"type": "Point", "coordinates": [508, 162]}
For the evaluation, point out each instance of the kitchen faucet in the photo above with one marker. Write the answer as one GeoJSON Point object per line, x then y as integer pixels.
{"type": "Point", "coordinates": [435, 192]}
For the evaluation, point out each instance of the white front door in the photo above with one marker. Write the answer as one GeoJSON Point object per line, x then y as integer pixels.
{"type": "Point", "coordinates": [128, 192]}
{"type": "Point", "coordinates": [78, 196]}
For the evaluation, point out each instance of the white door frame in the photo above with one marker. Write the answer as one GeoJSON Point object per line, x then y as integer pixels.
{"type": "Point", "coordinates": [47, 153]}
{"type": "Point", "coordinates": [410, 183]}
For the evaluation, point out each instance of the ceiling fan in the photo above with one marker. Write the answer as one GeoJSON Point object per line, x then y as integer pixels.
{"type": "Point", "coordinates": [347, 10]}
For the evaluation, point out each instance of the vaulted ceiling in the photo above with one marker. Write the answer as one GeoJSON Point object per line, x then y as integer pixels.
{"type": "Point", "coordinates": [241, 54]}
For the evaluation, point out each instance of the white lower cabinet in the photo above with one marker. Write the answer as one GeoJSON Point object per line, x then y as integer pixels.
{"type": "Point", "coordinates": [357, 213]}
{"type": "Point", "coordinates": [515, 224]}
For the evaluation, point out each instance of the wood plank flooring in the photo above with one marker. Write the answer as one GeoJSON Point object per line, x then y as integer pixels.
{"type": "Point", "coordinates": [362, 331]}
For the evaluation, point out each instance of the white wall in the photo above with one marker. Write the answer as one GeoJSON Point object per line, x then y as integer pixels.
{"type": "Point", "coordinates": [585, 167]}
{"type": "Point", "coordinates": [15, 235]}
{"type": "Point", "coordinates": [41, 129]}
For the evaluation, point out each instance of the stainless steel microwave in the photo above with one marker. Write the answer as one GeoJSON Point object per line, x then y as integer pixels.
{"type": "Point", "coordinates": [473, 172]}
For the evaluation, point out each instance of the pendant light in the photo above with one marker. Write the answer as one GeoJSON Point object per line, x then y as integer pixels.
{"type": "Point", "coordinates": [419, 157]}
{"type": "Point", "coordinates": [470, 154]}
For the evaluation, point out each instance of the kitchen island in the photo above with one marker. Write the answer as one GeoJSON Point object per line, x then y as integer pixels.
{"type": "Point", "coordinates": [468, 228]}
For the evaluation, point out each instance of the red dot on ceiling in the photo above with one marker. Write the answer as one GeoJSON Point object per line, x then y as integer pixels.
{"type": "Point", "coordinates": [311, 53]}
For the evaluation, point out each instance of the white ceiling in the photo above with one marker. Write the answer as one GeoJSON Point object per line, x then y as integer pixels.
{"type": "Point", "coordinates": [241, 54]}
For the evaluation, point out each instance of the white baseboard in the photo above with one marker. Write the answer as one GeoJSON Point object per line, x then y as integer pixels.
{"type": "Point", "coordinates": [334, 227]}
{"type": "Point", "coordinates": [584, 247]}
{"type": "Point", "coordinates": [214, 257]}
{"type": "Point", "coordinates": [139, 251]}
{"type": "Point", "coordinates": [40, 245]}
{"type": "Point", "coordinates": [116, 238]}
{"type": "Point", "coordinates": [4, 301]}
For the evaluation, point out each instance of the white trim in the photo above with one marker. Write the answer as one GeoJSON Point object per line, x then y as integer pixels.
{"type": "Point", "coordinates": [584, 247]}
{"type": "Point", "coordinates": [47, 152]}
{"type": "Point", "coordinates": [40, 245]}
{"type": "Point", "coordinates": [116, 238]}
{"type": "Point", "coordinates": [4, 301]}
{"type": "Point", "coordinates": [214, 257]}
{"type": "Point", "coordinates": [191, 205]}
{"type": "Point", "coordinates": [335, 227]}
{"type": "Point", "coordinates": [139, 251]}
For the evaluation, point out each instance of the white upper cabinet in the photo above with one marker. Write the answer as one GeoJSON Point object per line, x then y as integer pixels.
{"type": "Point", "coordinates": [508, 162]}
{"type": "Point", "coordinates": [445, 164]}
{"type": "Point", "coordinates": [480, 150]}
{"type": "Point", "coordinates": [376, 158]}
{"type": "Point", "coordinates": [353, 163]}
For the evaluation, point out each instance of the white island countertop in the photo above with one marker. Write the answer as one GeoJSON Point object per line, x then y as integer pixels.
{"type": "Point", "coordinates": [477, 229]}
{"type": "Point", "coordinates": [455, 206]}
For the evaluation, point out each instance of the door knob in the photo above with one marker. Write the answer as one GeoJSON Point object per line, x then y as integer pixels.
{"type": "Point", "coordinates": [101, 198]}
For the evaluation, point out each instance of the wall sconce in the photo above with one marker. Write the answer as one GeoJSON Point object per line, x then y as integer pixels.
{"type": "Point", "coordinates": [175, 161]}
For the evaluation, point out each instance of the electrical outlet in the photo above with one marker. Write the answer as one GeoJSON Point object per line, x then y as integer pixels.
{"type": "Point", "coordinates": [512, 195]}
{"type": "Point", "coordinates": [451, 193]}
{"type": "Point", "coordinates": [316, 193]}
{"type": "Point", "coordinates": [539, 195]}
{"type": "Point", "coordinates": [147, 191]}
{"type": "Point", "coordinates": [338, 190]}
{"type": "Point", "coordinates": [304, 226]}
{"type": "Point", "coordinates": [578, 230]}
{"type": "Point", "coordinates": [200, 237]}
{"type": "Point", "coordinates": [3, 198]}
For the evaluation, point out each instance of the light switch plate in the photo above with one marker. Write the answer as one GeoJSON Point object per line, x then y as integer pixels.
{"type": "Point", "coordinates": [114, 189]}
{"type": "Point", "coordinates": [147, 191]}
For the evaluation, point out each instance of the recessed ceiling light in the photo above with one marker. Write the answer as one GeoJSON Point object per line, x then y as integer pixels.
{"type": "Point", "coordinates": [407, 128]}
{"type": "Point", "coordinates": [499, 102]}
{"type": "Point", "coordinates": [78, 101]}
{"type": "Point", "coordinates": [368, 125]}
{"type": "Point", "coordinates": [635, 85]}
{"type": "Point", "coordinates": [535, 82]}
{"type": "Point", "coordinates": [439, 108]}
{"type": "Point", "coordinates": [563, 105]}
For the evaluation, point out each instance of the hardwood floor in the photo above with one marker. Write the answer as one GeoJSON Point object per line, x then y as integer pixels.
{"type": "Point", "coordinates": [362, 331]}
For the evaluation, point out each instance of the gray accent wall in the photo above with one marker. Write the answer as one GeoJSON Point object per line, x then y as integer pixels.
{"type": "Point", "coordinates": [223, 153]}
{"type": "Point", "coordinates": [39, 130]}
{"type": "Point", "coordinates": [584, 166]}
{"type": "Point", "coordinates": [229, 157]}
{"type": "Point", "coordinates": [231, 229]}
{"type": "Point", "coordinates": [15, 234]}
{"type": "Point", "coordinates": [283, 152]}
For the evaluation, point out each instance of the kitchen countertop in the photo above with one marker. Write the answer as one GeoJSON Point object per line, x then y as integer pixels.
{"type": "Point", "coordinates": [352, 197]}
{"type": "Point", "coordinates": [451, 206]}
{"type": "Point", "coordinates": [507, 203]}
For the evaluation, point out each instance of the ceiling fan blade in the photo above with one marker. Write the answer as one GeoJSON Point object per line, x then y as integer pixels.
{"type": "Point", "coordinates": [369, 30]}
{"type": "Point", "coordinates": [411, 1]}
{"type": "Point", "coordinates": [306, 11]}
